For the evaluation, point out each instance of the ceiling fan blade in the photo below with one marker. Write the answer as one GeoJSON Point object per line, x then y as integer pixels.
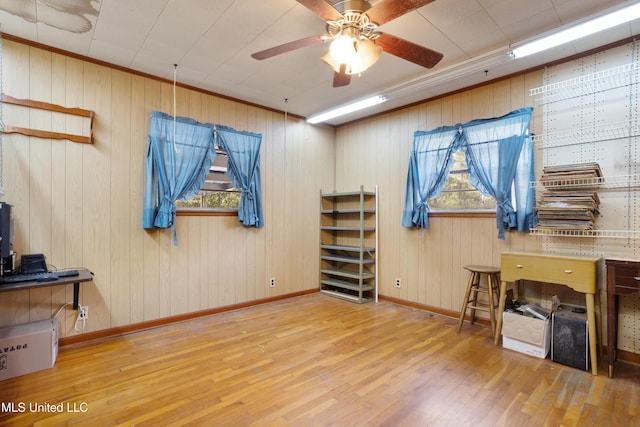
{"type": "Point", "coordinates": [409, 51]}
{"type": "Point", "coordinates": [388, 10]}
{"type": "Point", "coordinates": [288, 47]}
{"type": "Point", "coordinates": [321, 8]}
{"type": "Point", "coordinates": [341, 79]}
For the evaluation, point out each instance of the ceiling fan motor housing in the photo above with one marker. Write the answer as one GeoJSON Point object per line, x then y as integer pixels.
{"type": "Point", "coordinates": [360, 6]}
{"type": "Point", "coordinates": [354, 21]}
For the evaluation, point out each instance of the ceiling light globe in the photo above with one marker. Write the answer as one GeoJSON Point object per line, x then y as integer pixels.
{"type": "Point", "coordinates": [369, 52]}
{"type": "Point", "coordinates": [343, 49]}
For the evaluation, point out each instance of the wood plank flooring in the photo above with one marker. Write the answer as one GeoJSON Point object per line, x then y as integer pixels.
{"type": "Point", "coordinates": [317, 361]}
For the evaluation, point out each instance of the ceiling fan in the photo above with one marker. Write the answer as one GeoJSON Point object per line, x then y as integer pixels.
{"type": "Point", "coordinates": [356, 43]}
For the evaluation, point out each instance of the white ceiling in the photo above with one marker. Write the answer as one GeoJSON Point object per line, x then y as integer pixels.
{"type": "Point", "coordinates": [211, 42]}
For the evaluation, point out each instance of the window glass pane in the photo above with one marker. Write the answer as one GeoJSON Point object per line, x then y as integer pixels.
{"type": "Point", "coordinates": [213, 200]}
{"type": "Point", "coordinates": [458, 193]}
{"type": "Point", "coordinates": [217, 191]}
{"type": "Point", "coordinates": [222, 200]}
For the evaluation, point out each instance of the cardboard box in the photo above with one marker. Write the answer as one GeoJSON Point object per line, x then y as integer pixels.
{"type": "Point", "coordinates": [28, 347]}
{"type": "Point", "coordinates": [526, 334]}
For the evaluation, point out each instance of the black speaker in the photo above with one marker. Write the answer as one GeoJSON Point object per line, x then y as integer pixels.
{"type": "Point", "coordinates": [570, 337]}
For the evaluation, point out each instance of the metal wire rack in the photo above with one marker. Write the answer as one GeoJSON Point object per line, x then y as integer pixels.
{"type": "Point", "coordinates": [586, 134]}
{"type": "Point", "coordinates": [600, 81]}
{"type": "Point", "coordinates": [612, 234]}
{"type": "Point", "coordinates": [609, 182]}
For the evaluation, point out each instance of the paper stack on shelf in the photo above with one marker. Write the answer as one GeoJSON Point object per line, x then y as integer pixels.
{"type": "Point", "coordinates": [568, 203]}
{"type": "Point", "coordinates": [582, 175]}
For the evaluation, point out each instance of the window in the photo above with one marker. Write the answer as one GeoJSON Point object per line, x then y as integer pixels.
{"type": "Point", "coordinates": [501, 165]}
{"type": "Point", "coordinates": [459, 193]}
{"type": "Point", "coordinates": [217, 191]}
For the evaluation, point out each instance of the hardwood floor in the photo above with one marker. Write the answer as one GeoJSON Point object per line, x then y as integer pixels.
{"type": "Point", "coordinates": [317, 361]}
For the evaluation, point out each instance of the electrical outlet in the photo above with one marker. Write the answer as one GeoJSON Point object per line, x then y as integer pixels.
{"type": "Point", "coordinates": [398, 283]}
{"type": "Point", "coordinates": [272, 282]}
{"type": "Point", "coordinates": [83, 314]}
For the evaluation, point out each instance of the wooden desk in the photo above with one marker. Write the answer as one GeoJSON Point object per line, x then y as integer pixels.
{"type": "Point", "coordinates": [84, 275]}
{"type": "Point", "coordinates": [623, 278]}
{"type": "Point", "coordinates": [579, 273]}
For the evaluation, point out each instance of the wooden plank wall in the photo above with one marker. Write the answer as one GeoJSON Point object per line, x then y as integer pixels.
{"type": "Point", "coordinates": [429, 263]}
{"type": "Point", "coordinates": [81, 205]}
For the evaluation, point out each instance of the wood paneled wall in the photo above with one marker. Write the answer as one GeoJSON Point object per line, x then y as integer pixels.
{"type": "Point", "coordinates": [428, 262]}
{"type": "Point", "coordinates": [81, 205]}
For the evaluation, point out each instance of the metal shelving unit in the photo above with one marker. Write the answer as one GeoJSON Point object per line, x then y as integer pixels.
{"type": "Point", "coordinates": [348, 245]}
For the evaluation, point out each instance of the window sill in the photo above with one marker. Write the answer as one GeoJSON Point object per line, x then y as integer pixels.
{"type": "Point", "coordinates": [206, 212]}
{"type": "Point", "coordinates": [471, 213]}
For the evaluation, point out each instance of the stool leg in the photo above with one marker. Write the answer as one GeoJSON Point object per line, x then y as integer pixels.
{"type": "Point", "coordinates": [496, 289]}
{"type": "Point", "coordinates": [492, 308]}
{"type": "Point", "coordinates": [467, 294]}
{"type": "Point", "coordinates": [474, 299]}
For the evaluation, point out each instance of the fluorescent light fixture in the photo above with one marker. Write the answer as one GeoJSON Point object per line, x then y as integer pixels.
{"type": "Point", "coordinates": [581, 30]}
{"type": "Point", "coordinates": [349, 108]}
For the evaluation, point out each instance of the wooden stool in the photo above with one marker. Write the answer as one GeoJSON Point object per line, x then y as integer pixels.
{"type": "Point", "coordinates": [473, 288]}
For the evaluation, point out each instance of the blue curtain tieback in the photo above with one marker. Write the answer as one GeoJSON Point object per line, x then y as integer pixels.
{"type": "Point", "coordinates": [166, 213]}
{"type": "Point", "coordinates": [505, 213]}
{"type": "Point", "coordinates": [420, 215]}
{"type": "Point", "coordinates": [248, 193]}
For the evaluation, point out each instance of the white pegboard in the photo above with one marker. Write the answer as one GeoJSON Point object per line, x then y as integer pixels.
{"type": "Point", "coordinates": [565, 294]}
{"type": "Point", "coordinates": [590, 110]}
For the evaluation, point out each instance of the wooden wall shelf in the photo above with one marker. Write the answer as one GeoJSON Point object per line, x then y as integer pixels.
{"type": "Point", "coordinates": [49, 107]}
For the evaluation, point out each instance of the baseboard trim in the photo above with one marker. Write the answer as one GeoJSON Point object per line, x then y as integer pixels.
{"type": "Point", "coordinates": [431, 309]}
{"type": "Point", "coordinates": [627, 356]}
{"type": "Point", "coordinates": [135, 327]}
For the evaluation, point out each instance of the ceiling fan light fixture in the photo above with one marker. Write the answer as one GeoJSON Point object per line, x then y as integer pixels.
{"type": "Point", "coordinates": [368, 53]}
{"type": "Point", "coordinates": [343, 48]}
{"type": "Point", "coordinates": [328, 59]}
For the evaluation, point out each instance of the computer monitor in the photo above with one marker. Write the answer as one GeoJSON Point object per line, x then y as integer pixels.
{"type": "Point", "coordinates": [6, 239]}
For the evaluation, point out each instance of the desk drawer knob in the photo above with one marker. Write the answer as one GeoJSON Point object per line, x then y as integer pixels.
{"type": "Point", "coordinates": [568, 271]}
{"type": "Point", "coordinates": [637, 279]}
{"type": "Point", "coordinates": [519, 265]}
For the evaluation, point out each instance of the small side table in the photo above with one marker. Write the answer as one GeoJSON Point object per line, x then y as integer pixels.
{"type": "Point", "coordinates": [84, 275]}
{"type": "Point", "coordinates": [623, 278]}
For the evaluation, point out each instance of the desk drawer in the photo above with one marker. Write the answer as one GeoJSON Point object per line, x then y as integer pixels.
{"type": "Point", "coordinates": [623, 277]}
{"type": "Point", "coordinates": [577, 273]}
{"type": "Point", "coordinates": [628, 277]}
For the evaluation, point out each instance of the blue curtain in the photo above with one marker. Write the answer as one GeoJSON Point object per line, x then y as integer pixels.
{"type": "Point", "coordinates": [499, 155]}
{"type": "Point", "coordinates": [243, 168]}
{"type": "Point", "coordinates": [492, 148]}
{"type": "Point", "coordinates": [525, 194]}
{"type": "Point", "coordinates": [179, 156]}
{"type": "Point", "coordinates": [429, 165]}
